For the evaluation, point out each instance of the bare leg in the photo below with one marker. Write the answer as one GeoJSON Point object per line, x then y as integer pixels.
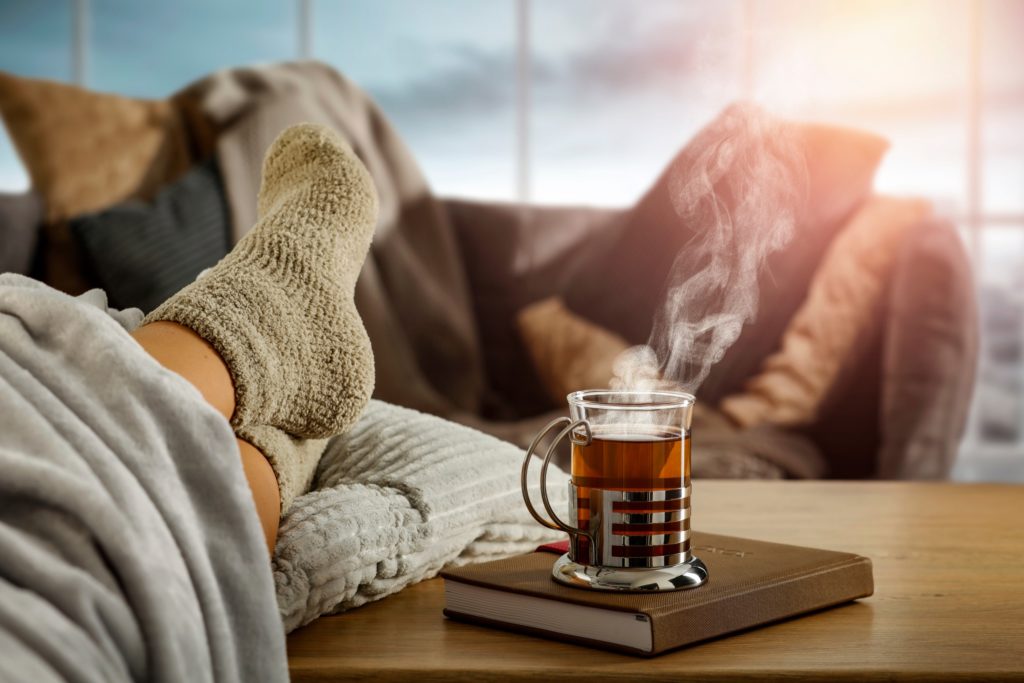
{"type": "Point", "coordinates": [181, 350]}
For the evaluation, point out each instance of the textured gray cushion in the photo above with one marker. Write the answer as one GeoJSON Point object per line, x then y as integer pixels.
{"type": "Point", "coordinates": [20, 218]}
{"type": "Point", "coordinates": [142, 253]}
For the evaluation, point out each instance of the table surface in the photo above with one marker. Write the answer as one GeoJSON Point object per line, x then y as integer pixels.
{"type": "Point", "coordinates": [948, 603]}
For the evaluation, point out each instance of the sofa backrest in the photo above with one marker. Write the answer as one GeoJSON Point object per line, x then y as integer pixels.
{"type": "Point", "coordinates": [21, 218]}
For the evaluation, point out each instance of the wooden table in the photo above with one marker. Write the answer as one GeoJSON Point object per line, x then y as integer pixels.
{"type": "Point", "coordinates": [948, 603]}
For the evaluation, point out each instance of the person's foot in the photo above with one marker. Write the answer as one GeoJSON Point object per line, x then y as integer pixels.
{"type": "Point", "coordinates": [279, 308]}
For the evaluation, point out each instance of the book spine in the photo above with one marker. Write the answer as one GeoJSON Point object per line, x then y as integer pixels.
{"type": "Point", "coordinates": [763, 604]}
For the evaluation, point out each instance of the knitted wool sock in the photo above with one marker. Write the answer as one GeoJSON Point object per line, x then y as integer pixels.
{"type": "Point", "coordinates": [293, 460]}
{"type": "Point", "coordinates": [279, 308]}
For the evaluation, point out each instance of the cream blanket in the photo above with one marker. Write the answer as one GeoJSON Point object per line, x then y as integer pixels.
{"type": "Point", "coordinates": [398, 498]}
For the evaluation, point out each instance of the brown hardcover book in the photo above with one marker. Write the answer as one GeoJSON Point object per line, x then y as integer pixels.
{"type": "Point", "coordinates": [751, 583]}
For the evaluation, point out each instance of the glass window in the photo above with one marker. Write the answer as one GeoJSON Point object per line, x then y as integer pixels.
{"type": "Point", "coordinates": [1000, 390]}
{"type": "Point", "coordinates": [898, 69]}
{"type": "Point", "coordinates": [910, 53]}
{"type": "Point", "coordinates": [444, 72]}
{"type": "Point", "coordinates": [35, 41]}
{"type": "Point", "coordinates": [13, 177]}
{"type": "Point", "coordinates": [150, 49]}
{"type": "Point", "coordinates": [1003, 106]}
{"type": "Point", "coordinates": [616, 92]}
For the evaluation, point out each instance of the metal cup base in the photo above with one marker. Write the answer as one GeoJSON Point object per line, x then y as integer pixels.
{"type": "Point", "coordinates": [655, 580]}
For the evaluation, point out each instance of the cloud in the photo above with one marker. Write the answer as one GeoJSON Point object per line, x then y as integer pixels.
{"type": "Point", "coordinates": [622, 55]}
{"type": "Point", "coordinates": [478, 81]}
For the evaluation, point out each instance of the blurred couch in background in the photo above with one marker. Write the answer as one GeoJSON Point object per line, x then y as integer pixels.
{"type": "Point", "coordinates": [139, 196]}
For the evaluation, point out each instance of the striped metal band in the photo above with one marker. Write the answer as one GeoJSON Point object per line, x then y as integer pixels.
{"type": "Point", "coordinates": [650, 517]}
{"type": "Point", "coordinates": [633, 528]}
{"type": "Point", "coordinates": [650, 551]}
{"type": "Point", "coordinates": [652, 540]}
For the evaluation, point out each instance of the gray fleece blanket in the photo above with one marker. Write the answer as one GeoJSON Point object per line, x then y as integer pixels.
{"type": "Point", "coordinates": [129, 544]}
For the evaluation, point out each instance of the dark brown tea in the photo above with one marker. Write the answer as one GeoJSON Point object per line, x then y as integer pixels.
{"type": "Point", "coordinates": [636, 462]}
{"type": "Point", "coordinates": [642, 462]}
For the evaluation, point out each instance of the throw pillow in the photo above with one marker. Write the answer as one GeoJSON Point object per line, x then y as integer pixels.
{"type": "Point", "coordinates": [20, 218]}
{"type": "Point", "coordinates": [623, 287]}
{"type": "Point", "coordinates": [396, 498]}
{"type": "Point", "coordinates": [85, 151]}
{"type": "Point", "coordinates": [142, 253]}
{"type": "Point", "coordinates": [572, 353]}
{"type": "Point", "coordinates": [841, 309]}
{"type": "Point", "coordinates": [568, 352]}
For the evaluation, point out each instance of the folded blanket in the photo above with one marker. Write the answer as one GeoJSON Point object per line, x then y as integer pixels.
{"type": "Point", "coordinates": [129, 544]}
{"type": "Point", "coordinates": [399, 497]}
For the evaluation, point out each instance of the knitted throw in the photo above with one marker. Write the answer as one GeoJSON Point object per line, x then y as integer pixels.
{"type": "Point", "coordinates": [396, 499]}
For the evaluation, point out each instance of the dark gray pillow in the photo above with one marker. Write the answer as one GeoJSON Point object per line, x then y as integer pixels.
{"type": "Point", "coordinates": [142, 253]}
{"type": "Point", "coordinates": [21, 216]}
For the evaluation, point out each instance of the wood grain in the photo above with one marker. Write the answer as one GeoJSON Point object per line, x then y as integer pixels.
{"type": "Point", "coordinates": [948, 604]}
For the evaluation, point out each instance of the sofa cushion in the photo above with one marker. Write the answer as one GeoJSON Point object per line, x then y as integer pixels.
{"type": "Point", "coordinates": [141, 253]}
{"type": "Point", "coordinates": [841, 313]}
{"type": "Point", "coordinates": [20, 219]}
{"type": "Point", "coordinates": [569, 353]}
{"type": "Point", "coordinates": [515, 256]}
{"type": "Point", "coordinates": [86, 151]}
{"type": "Point", "coordinates": [622, 289]}
{"type": "Point", "coordinates": [572, 353]}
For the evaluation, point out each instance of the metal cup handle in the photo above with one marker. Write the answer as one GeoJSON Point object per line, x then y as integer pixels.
{"type": "Point", "coordinates": [555, 522]}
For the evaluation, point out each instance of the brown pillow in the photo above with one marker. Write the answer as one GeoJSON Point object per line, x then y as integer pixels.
{"type": "Point", "coordinates": [840, 310]}
{"type": "Point", "coordinates": [571, 353]}
{"type": "Point", "coordinates": [85, 152]}
{"type": "Point", "coordinates": [568, 352]}
{"type": "Point", "coordinates": [622, 288]}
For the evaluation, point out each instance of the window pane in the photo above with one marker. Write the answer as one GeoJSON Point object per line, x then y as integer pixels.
{"type": "Point", "coordinates": [1003, 110]}
{"type": "Point", "coordinates": [444, 73]}
{"type": "Point", "coordinates": [618, 91]}
{"type": "Point", "coordinates": [150, 49]}
{"type": "Point", "coordinates": [1000, 391]}
{"type": "Point", "coordinates": [35, 41]}
{"type": "Point", "coordinates": [903, 56]}
{"type": "Point", "coordinates": [898, 69]}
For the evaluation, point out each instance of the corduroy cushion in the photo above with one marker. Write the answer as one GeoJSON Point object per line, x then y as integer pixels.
{"type": "Point", "coordinates": [142, 253]}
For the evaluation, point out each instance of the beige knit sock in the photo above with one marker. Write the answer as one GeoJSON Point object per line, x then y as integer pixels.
{"type": "Point", "coordinates": [279, 308]}
{"type": "Point", "coordinates": [293, 460]}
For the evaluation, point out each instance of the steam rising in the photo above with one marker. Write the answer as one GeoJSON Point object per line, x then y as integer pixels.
{"type": "Point", "coordinates": [740, 186]}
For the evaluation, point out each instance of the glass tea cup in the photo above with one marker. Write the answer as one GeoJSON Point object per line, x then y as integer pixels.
{"type": "Point", "coordinates": [629, 491]}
